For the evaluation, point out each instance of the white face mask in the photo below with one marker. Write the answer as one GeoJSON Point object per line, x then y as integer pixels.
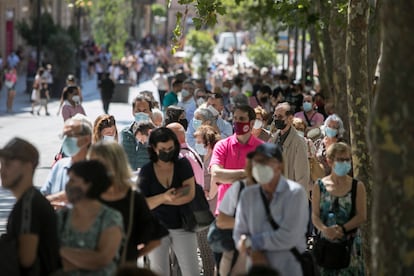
{"type": "Point", "coordinates": [76, 99]}
{"type": "Point", "coordinates": [225, 90]}
{"type": "Point", "coordinates": [257, 124]}
{"type": "Point", "coordinates": [262, 173]}
{"type": "Point", "coordinates": [185, 93]}
{"type": "Point", "coordinates": [200, 148]}
{"type": "Point", "coordinates": [200, 101]}
{"type": "Point", "coordinates": [213, 110]}
{"type": "Point", "coordinates": [300, 133]}
{"type": "Point", "coordinates": [108, 138]}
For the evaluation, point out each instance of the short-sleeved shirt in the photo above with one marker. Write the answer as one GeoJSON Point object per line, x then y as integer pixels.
{"type": "Point", "coordinates": [315, 119]}
{"type": "Point", "coordinates": [149, 185]}
{"type": "Point", "coordinates": [170, 99]}
{"type": "Point", "coordinates": [228, 205]}
{"type": "Point", "coordinates": [71, 237]}
{"type": "Point", "coordinates": [145, 226]}
{"type": "Point", "coordinates": [68, 110]}
{"type": "Point", "coordinates": [58, 177]}
{"type": "Point", "coordinates": [230, 154]}
{"type": "Point", "coordinates": [33, 214]}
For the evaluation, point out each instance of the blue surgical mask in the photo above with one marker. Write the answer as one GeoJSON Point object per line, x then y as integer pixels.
{"type": "Point", "coordinates": [342, 168]}
{"type": "Point", "coordinates": [70, 146]}
{"type": "Point", "coordinates": [141, 116]}
{"type": "Point", "coordinates": [331, 132]}
{"type": "Point", "coordinates": [196, 123]}
{"type": "Point", "coordinates": [200, 149]}
{"type": "Point", "coordinates": [185, 93]}
{"type": "Point", "coordinates": [307, 106]}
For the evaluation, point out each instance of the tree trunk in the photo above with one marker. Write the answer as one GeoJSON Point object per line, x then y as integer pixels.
{"type": "Point", "coordinates": [358, 101]}
{"type": "Point", "coordinates": [321, 62]}
{"type": "Point", "coordinates": [337, 32]}
{"type": "Point", "coordinates": [392, 145]}
{"type": "Point", "coordinates": [373, 40]}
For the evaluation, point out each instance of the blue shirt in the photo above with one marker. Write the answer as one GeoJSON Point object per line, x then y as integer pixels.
{"type": "Point", "coordinates": [58, 177]}
{"type": "Point", "coordinates": [289, 208]}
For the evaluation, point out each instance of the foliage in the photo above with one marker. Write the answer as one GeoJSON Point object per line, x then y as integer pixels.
{"type": "Point", "coordinates": [109, 19]}
{"type": "Point", "coordinates": [200, 43]}
{"type": "Point", "coordinates": [158, 10]}
{"type": "Point", "coordinates": [58, 43]}
{"type": "Point", "coordinates": [263, 52]}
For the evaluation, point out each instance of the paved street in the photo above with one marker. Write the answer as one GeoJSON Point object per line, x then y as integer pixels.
{"type": "Point", "coordinates": [43, 131]}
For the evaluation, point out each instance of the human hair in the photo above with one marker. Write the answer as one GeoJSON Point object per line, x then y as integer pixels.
{"type": "Point", "coordinates": [177, 82]}
{"type": "Point", "coordinates": [209, 135]}
{"type": "Point", "coordinates": [93, 172]}
{"type": "Point", "coordinates": [114, 156]}
{"type": "Point", "coordinates": [260, 110]}
{"type": "Point", "coordinates": [101, 122]}
{"type": "Point", "coordinates": [156, 112]}
{"type": "Point", "coordinates": [144, 127]}
{"type": "Point", "coordinates": [265, 89]}
{"type": "Point", "coordinates": [172, 114]}
{"type": "Point", "coordinates": [163, 135]}
{"type": "Point", "coordinates": [85, 124]}
{"type": "Point", "coordinates": [246, 109]}
{"type": "Point", "coordinates": [69, 90]}
{"type": "Point", "coordinates": [142, 98]}
{"type": "Point", "coordinates": [335, 118]}
{"type": "Point", "coordinates": [240, 99]}
{"type": "Point", "coordinates": [133, 270]}
{"type": "Point", "coordinates": [206, 114]}
{"type": "Point", "coordinates": [298, 124]}
{"type": "Point", "coordinates": [337, 148]}
{"type": "Point", "coordinates": [286, 106]}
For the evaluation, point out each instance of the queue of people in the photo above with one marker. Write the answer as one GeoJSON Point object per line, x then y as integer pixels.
{"type": "Point", "coordinates": [118, 194]}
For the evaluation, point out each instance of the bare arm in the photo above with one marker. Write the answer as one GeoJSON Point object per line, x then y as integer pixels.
{"type": "Point", "coordinates": [89, 259]}
{"type": "Point", "coordinates": [170, 197]}
{"type": "Point", "coordinates": [224, 221]}
{"type": "Point", "coordinates": [147, 248]}
{"type": "Point", "coordinates": [27, 246]}
{"type": "Point", "coordinates": [222, 175]}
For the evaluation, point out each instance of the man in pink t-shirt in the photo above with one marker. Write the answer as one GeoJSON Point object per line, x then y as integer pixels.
{"type": "Point", "coordinates": [309, 115]}
{"type": "Point", "coordinates": [229, 155]}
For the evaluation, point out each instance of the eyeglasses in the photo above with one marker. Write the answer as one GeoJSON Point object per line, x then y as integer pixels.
{"type": "Point", "coordinates": [107, 122]}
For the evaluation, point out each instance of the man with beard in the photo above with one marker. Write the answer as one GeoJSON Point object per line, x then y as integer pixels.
{"type": "Point", "coordinates": [32, 222]}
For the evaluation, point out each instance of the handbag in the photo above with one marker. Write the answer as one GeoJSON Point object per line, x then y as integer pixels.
{"type": "Point", "coordinates": [196, 215]}
{"type": "Point", "coordinates": [9, 262]}
{"type": "Point", "coordinates": [221, 240]}
{"type": "Point", "coordinates": [306, 259]}
{"type": "Point", "coordinates": [334, 254]}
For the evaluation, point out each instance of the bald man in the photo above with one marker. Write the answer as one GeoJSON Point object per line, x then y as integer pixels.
{"type": "Point", "coordinates": [189, 153]}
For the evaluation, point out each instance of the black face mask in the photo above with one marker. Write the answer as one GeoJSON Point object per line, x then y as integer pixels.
{"type": "Point", "coordinates": [166, 156]}
{"type": "Point", "coordinates": [280, 124]}
{"type": "Point", "coordinates": [264, 99]}
{"type": "Point", "coordinates": [184, 123]}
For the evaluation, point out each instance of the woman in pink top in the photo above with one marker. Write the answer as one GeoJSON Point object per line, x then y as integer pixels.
{"type": "Point", "coordinates": [10, 82]}
{"type": "Point", "coordinates": [72, 104]}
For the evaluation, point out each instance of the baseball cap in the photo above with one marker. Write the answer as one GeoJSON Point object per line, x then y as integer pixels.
{"type": "Point", "coordinates": [20, 149]}
{"type": "Point", "coordinates": [269, 150]}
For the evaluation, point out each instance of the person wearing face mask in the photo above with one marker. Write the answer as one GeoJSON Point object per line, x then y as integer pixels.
{"type": "Point", "coordinates": [262, 98]}
{"type": "Point", "coordinates": [284, 88]}
{"type": "Point", "coordinates": [167, 182]}
{"type": "Point", "coordinates": [259, 128]}
{"type": "Point", "coordinates": [104, 128]}
{"type": "Point", "coordinates": [202, 116]}
{"type": "Point", "coordinates": [333, 129]}
{"type": "Point", "coordinates": [171, 97]}
{"type": "Point", "coordinates": [215, 104]}
{"type": "Point", "coordinates": [296, 166]}
{"type": "Point", "coordinates": [309, 115]}
{"type": "Point", "coordinates": [77, 137]}
{"type": "Point", "coordinates": [72, 103]}
{"type": "Point", "coordinates": [176, 114]}
{"type": "Point", "coordinates": [137, 152]}
{"type": "Point", "coordinates": [288, 206]}
{"type": "Point", "coordinates": [333, 194]}
{"type": "Point", "coordinates": [90, 232]}
{"type": "Point", "coordinates": [187, 99]}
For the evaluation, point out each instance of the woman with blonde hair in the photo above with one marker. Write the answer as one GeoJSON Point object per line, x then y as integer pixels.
{"type": "Point", "coordinates": [143, 231]}
{"type": "Point", "coordinates": [104, 128]}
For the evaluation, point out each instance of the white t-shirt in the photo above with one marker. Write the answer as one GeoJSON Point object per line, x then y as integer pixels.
{"type": "Point", "coordinates": [231, 198]}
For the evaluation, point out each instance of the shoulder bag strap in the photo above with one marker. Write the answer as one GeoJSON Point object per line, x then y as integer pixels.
{"type": "Point", "coordinates": [276, 226]}
{"type": "Point", "coordinates": [130, 223]}
{"type": "Point", "coordinates": [241, 183]}
{"type": "Point", "coordinates": [353, 196]}
{"type": "Point", "coordinates": [195, 155]}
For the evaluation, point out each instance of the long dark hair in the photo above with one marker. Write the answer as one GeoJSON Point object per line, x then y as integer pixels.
{"type": "Point", "coordinates": [162, 134]}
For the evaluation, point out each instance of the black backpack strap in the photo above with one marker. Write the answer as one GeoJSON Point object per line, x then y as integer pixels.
{"type": "Point", "coordinates": [241, 183]}
{"type": "Point", "coordinates": [353, 196]}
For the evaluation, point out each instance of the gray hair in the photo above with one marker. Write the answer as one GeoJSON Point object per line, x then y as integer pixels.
{"type": "Point", "coordinates": [335, 118]}
{"type": "Point", "coordinates": [86, 125]}
{"type": "Point", "coordinates": [206, 114]}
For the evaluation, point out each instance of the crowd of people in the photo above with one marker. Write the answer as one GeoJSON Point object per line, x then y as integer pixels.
{"type": "Point", "coordinates": [252, 139]}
